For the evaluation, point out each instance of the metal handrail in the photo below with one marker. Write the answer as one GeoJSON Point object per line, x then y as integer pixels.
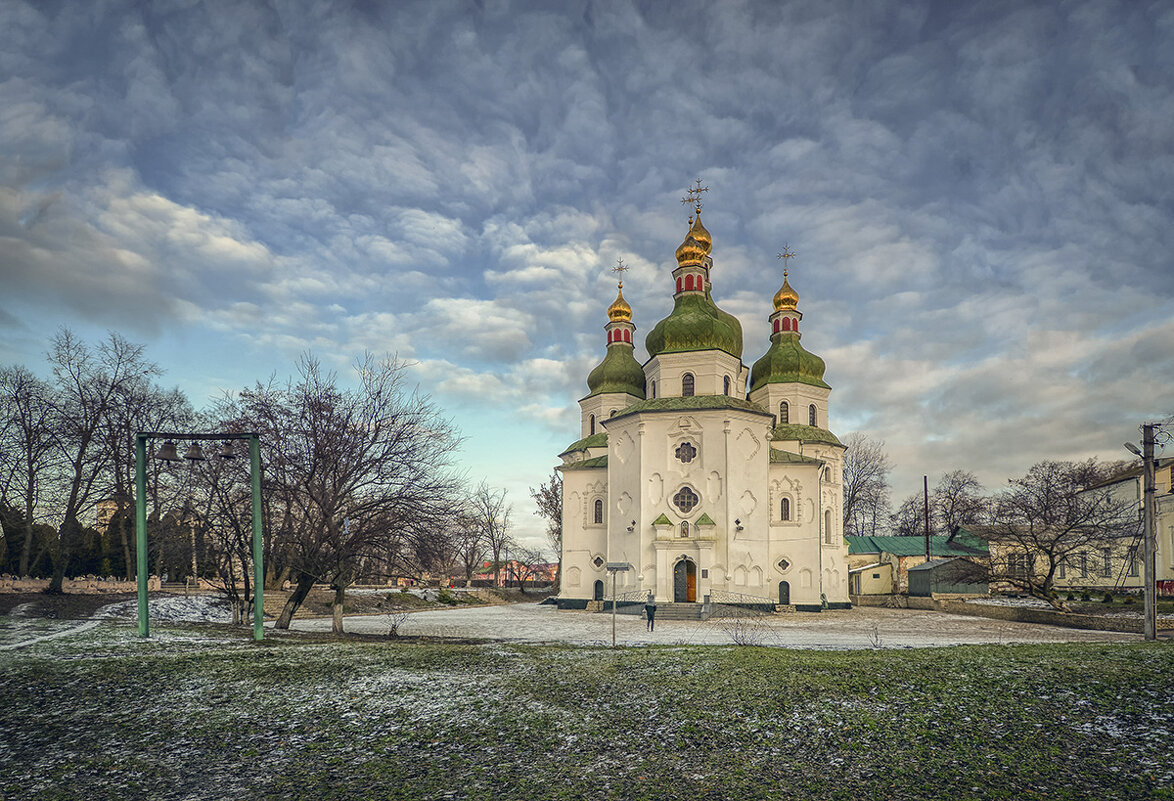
{"type": "Point", "coordinates": [739, 599]}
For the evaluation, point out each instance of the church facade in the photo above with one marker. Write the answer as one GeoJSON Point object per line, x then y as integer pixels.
{"type": "Point", "coordinates": [710, 479]}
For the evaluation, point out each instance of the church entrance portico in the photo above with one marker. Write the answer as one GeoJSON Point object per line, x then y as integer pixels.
{"type": "Point", "coordinates": [685, 581]}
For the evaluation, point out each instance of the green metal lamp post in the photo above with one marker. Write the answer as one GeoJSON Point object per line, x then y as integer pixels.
{"type": "Point", "coordinates": [141, 518]}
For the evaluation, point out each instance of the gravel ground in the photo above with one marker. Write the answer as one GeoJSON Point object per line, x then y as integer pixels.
{"type": "Point", "coordinates": [862, 627]}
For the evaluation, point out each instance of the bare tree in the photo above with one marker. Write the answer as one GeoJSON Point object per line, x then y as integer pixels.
{"type": "Point", "coordinates": [88, 383]}
{"type": "Point", "coordinates": [866, 484]}
{"type": "Point", "coordinates": [491, 514]}
{"type": "Point", "coordinates": [549, 497]}
{"type": "Point", "coordinates": [909, 519]}
{"type": "Point", "coordinates": [1043, 519]}
{"type": "Point", "coordinates": [958, 501]}
{"type": "Point", "coordinates": [525, 564]}
{"type": "Point", "coordinates": [469, 545]}
{"type": "Point", "coordinates": [352, 469]}
{"type": "Point", "coordinates": [27, 440]}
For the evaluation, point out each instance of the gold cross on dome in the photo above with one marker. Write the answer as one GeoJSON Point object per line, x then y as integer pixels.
{"type": "Point", "coordinates": [693, 196]}
{"type": "Point", "coordinates": [786, 256]}
{"type": "Point", "coordinates": [619, 270]}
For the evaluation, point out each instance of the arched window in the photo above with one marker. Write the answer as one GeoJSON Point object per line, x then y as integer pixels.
{"type": "Point", "coordinates": [784, 413]}
{"type": "Point", "coordinates": [591, 425]}
{"type": "Point", "coordinates": [654, 389]}
{"type": "Point", "coordinates": [811, 415]}
{"type": "Point", "coordinates": [827, 526]}
{"type": "Point", "coordinates": [678, 284]}
{"type": "Point", "coordinates": [598, 518]}
{"type": "Point", "coordinates": [726, 385]}
{"type": "Point", "coordinates": [688, 282]}
{"type": "Point", "coordinates": [627, 335]}
{"type": "Point", "coordinates": [785, 509]}
{"type": "Point", "coordinates": [687, 385]}
{"type": "Point", "coordinates": [786, 323]}
{"type": "Point", "coordinates": [612, 413]}
{"type": "Point", "coordinates": [684, 528]}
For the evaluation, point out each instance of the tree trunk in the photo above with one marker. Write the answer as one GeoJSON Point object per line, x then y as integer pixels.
{"type": "Point", "coordinates": [64, 552]}
{"type": "Point", "coordinates": [129, 562]}
{"type": "Point", "coordinates": [295, 600]}
{"type": "Point", "coordinates": [27, 547]}
{"type": "Point", "coordinates": [339, 599]}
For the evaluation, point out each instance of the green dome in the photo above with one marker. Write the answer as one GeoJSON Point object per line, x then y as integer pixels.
{"type": "Point", "coordinates": [696, 323]}
{"type": "Point", "coordinates": [786, 362]}
{"type": "Point", "coordinates": [618, 372]}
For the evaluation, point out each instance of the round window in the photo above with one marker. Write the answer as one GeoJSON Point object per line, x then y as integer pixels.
{"type": "Point", "coordinates": [686, 499]}
{"type": "Point", "coordinates": [686, 452]}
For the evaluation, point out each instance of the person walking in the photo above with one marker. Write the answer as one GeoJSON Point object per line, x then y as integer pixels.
{"type": "Point", "coordinates": [650, 611]}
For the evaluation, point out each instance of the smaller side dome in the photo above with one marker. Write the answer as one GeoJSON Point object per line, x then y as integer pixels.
{"type": "Point", "coordinates": [691, 251]}
{"type": "Point", "coordinates": [618, 372]}
{"type": "Point", "coordinates": [619, 310]}
{"type": "Point", "coordinates": [701, 234]}
{"type": "Point", "coordinates": [786, 298]}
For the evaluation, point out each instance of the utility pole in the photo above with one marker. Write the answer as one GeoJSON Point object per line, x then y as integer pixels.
{"type": "Point", "coordinates": [1147, 513]}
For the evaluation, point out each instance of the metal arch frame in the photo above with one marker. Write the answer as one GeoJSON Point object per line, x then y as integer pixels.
{"type": "Point", "coordinates": [254, 441]}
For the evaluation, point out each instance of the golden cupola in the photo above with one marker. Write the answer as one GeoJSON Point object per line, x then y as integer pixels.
{"type": "Point", "coordinates": [619, 310]}
{"type": "Point", "coordinates": [786, 298]}
{"type": "Point", "coordinates": [697, 243]}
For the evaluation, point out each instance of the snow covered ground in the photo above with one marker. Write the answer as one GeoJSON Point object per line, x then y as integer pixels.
{"type": "Point", "coordinates": [173, 609]}
{"type": "Point", "coordinates": [862, 627]}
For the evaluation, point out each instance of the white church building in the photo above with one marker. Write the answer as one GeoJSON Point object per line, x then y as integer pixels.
{"type": "Point", "coordinates": [712, 480]}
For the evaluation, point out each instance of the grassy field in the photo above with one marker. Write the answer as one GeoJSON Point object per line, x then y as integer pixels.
{"type": "Point", "coordinates": [201, 712]}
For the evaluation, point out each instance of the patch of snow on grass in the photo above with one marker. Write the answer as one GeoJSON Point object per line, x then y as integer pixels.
{"type": "Point", "coordinates": [175, 609]}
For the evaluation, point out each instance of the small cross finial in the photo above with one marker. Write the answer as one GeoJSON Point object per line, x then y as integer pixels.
{"type": "Point", "coordinates": [619, 270]}
{"type": "Point", "coordinates": [693, 196]}
{"type": "Point", "coordinates": [786, 256]}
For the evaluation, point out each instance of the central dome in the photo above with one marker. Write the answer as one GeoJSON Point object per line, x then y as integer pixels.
{"type": "Point", "coordinates": [696, 323]}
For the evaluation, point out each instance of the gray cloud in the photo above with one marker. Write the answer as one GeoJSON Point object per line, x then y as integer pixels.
{"type": "Point", "coordinates": [979, 195]}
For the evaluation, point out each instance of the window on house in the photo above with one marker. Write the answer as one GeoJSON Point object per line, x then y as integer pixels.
{"type": "Point", "coordinates": [1133, 561]}
{"type": "Point", "coordinates": [612, 413]}
{"type": "Point", "coordinates": [687, 385]}
{"type": "Point", "coordinates": [686, 452]}
{"type": "Point", "coordinates": [785, 509]}
{"type": "Point", "coordinates": [726, 385]}
{"type": "Point", "coordinates": [654, 389]}
{"type": "Point", "coordinates": [1083, 557]}
{"type": "Point", "coordinates": [784, 413]}
{"type": "Point", "coordinates": [598, 511]}
{"type": "Point", "coordinates": [1062, 568]}
{"type": "Point", "coordinates": [1107, 567]}
{"type": "Point", "coordinates": [811, 415]}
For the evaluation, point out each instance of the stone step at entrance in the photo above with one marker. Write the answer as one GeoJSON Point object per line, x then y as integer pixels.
{"type": "Point", "coordinates": [664, 611]}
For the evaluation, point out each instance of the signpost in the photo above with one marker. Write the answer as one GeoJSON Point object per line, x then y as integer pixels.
{"type": "Point", "coordinates": [614, 568]}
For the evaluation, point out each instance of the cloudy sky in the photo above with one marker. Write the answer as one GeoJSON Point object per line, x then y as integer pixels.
{"type": "Point", "coordinates": [980, 195]}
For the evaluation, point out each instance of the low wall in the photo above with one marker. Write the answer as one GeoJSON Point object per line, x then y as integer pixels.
{"type": "Point", "coordinates": [79, 584]}
{"type": "Point", "coordinates": [1016, 614]}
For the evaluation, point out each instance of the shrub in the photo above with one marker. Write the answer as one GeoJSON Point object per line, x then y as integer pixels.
{"type": "Point", "coordinates": [1084, 596]}
{"type": "Point", "coordinates": [1108, 599]}
{"type": "Point", "coordinates": [445, 597]}
{"type": "Point", "coordinates": [1128, 599]}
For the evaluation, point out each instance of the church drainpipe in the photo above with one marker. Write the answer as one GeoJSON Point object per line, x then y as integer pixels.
{"type": "Point", "coordinates": [820, 533]}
